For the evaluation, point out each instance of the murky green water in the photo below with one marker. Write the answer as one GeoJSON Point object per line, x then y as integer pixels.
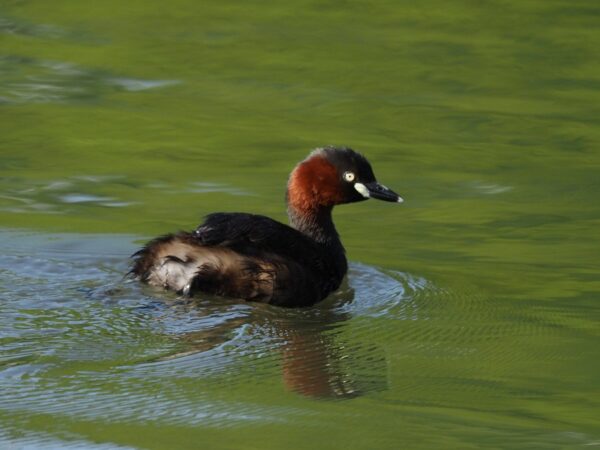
{"type": "Point", "coordinates": [470, 315]}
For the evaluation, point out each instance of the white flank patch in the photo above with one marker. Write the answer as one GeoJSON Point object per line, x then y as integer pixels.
{"type": "Point", "coordinates": [362, 190]}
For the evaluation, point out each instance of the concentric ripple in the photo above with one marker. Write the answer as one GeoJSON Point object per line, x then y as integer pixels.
{"type": "Point", "coordinates": [80, 342]}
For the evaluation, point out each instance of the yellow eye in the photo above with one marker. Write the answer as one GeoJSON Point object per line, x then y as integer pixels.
{"type": "Point", "coordinates": [348, 176]}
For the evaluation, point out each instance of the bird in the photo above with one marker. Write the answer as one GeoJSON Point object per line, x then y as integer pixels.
{"type": "Point", "coordinates": [255, 258]}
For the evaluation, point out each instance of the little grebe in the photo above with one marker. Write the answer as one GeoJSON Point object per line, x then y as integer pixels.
{"type": "Point", "coordinates": [255, 258]}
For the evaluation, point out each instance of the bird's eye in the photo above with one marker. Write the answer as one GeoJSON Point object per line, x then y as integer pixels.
{"type": "Point", "coordinates": [348, 176]}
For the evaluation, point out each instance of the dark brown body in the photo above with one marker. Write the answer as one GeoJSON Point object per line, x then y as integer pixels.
{"type": "Point", "coordinates": [244, 256]}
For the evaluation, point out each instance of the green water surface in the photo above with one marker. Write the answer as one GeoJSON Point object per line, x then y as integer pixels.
{"type": "Point", "coordinates": [470, 315]}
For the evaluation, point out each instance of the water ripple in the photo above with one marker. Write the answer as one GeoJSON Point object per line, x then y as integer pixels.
{"type": "Point", "coordinates": [29, 80]}
{"type": "Point", "coordinates": [62, 196]}
{"type": "Point", "coordinates": [86, 344]}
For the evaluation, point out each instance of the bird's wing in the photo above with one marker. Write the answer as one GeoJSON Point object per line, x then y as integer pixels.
{"type": "Point", "coordinates": [251, 234]}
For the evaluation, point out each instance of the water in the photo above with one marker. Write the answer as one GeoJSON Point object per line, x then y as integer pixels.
{"type": "Point", "coordinates": [469, 318]}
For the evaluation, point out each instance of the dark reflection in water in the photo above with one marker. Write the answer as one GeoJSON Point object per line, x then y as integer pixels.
{"type": "Point", "coordinates": [312, 360]}
{"type": "Point", "coordinates": [312, 363]}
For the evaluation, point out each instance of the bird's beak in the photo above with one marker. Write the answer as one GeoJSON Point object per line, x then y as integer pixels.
{"type": "Point", "coordinates": [378, 191]}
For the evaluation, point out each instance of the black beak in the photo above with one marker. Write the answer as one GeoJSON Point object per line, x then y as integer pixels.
{"type": "Point", "coordinates": [380, 192]}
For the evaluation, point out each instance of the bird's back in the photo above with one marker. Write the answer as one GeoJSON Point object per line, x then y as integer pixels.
{"type": "Point", "coordinates": [242, 256]}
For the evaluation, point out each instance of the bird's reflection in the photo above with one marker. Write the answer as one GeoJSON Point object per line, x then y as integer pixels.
{"type": "Point", "coordinates": [313, 362]}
